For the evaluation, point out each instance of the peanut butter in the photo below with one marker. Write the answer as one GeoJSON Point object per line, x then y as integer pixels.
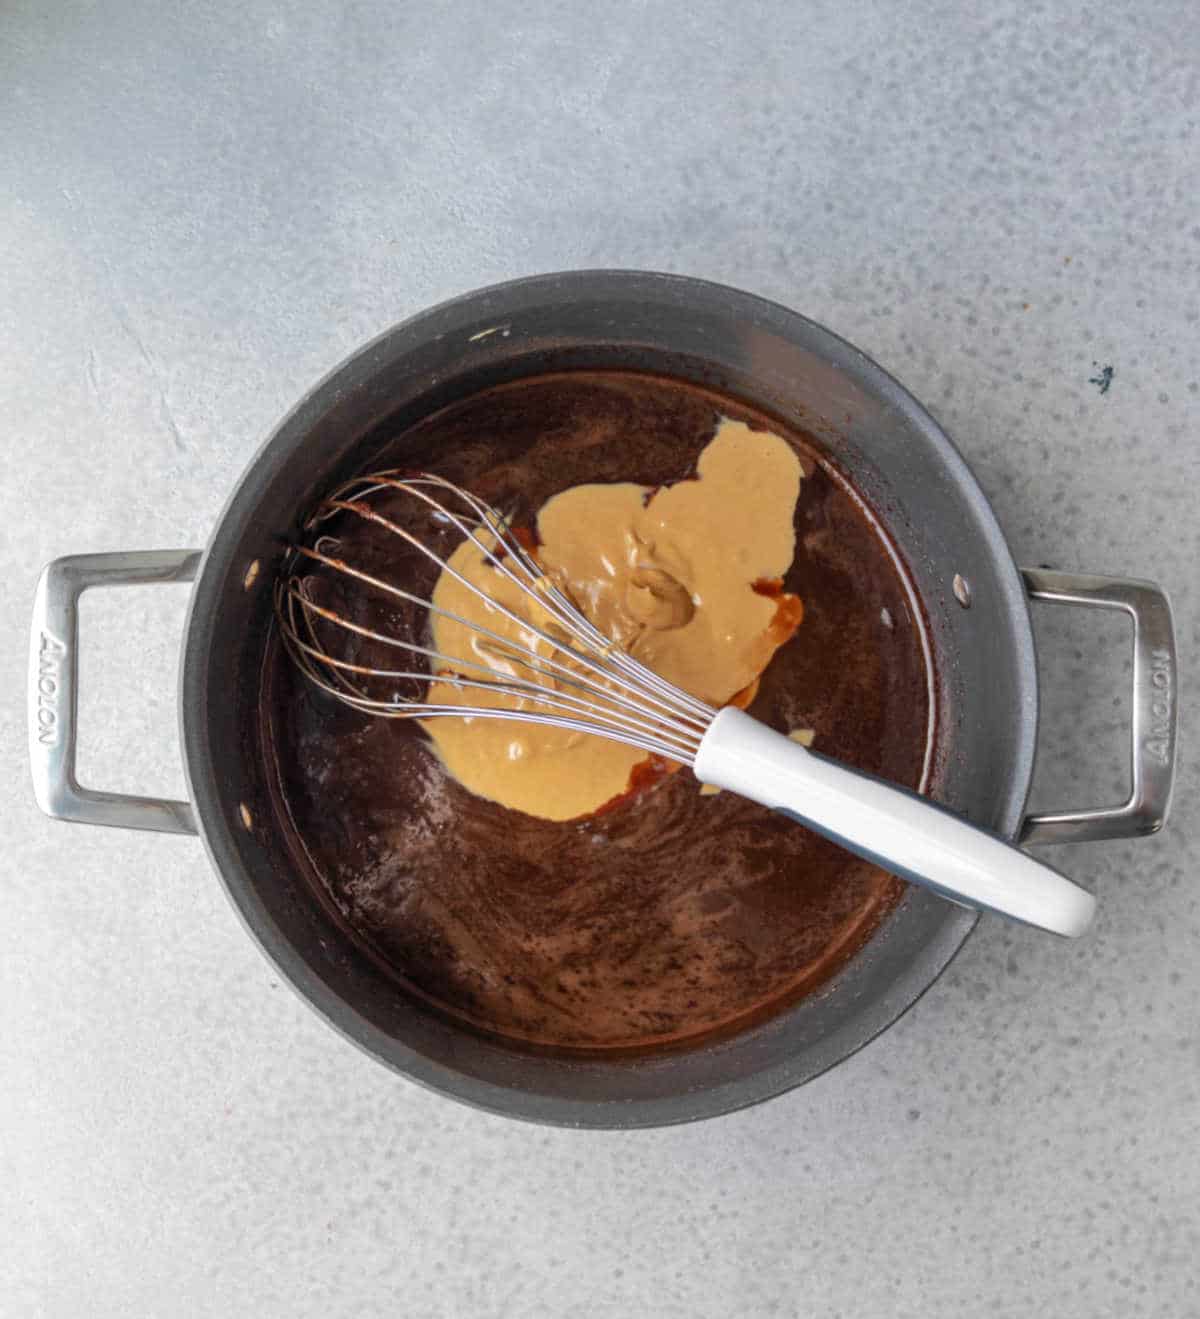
{"type": "Point", "coordinates": [674, 576]}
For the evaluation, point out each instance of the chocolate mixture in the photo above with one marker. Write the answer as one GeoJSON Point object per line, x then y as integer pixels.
{"type": "Point", "coordinates": [671, 914]}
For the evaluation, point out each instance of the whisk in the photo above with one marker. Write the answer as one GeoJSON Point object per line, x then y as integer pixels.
{"type": "Point", "coordinates": [583, 681]}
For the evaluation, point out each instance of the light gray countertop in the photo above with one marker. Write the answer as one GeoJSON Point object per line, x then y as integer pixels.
{"type": "Point", "coordinates": [203, 208]}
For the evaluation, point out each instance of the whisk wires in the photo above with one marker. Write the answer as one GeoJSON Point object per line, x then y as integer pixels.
{"type": "Point", "coordinates": [568, 675]}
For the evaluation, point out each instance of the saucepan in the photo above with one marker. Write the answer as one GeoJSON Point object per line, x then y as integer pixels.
{"type": "Point", "coordinates": [896, 456]}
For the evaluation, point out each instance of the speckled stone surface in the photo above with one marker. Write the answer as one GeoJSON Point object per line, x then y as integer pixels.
{"type": "Point", "coordinates": [202, 208]}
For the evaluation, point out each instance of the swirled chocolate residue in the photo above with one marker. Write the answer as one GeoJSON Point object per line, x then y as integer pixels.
{"type": "Point", "coordinates": [671, 914]}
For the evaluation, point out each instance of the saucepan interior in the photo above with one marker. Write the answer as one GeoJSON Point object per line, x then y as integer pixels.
{"type": "Point", "coordinates": [882, 441]}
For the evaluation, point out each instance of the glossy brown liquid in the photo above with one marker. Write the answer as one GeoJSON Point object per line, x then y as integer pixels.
{"type": "Point", "coordinates": [670, 914]}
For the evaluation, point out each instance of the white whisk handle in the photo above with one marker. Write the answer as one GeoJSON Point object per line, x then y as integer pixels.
{"type": "Point", "coordinates": [905, 834]}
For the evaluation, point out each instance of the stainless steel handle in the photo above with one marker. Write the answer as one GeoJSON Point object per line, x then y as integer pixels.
{"type": "Point", "coordinates": [1155, 698]}
{"type": "Point", "coordinates": [53, 689]}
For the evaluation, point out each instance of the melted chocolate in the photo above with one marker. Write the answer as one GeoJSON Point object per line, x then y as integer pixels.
{"type": "Point", "coordinates": [670, 914]}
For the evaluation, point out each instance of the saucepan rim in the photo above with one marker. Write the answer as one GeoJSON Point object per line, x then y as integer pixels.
{"type": "Point", "coordinates": [220, 572]}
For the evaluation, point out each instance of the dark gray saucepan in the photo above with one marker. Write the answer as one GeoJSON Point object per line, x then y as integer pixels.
{"type": "Point", "coordinates": [893, 451]}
